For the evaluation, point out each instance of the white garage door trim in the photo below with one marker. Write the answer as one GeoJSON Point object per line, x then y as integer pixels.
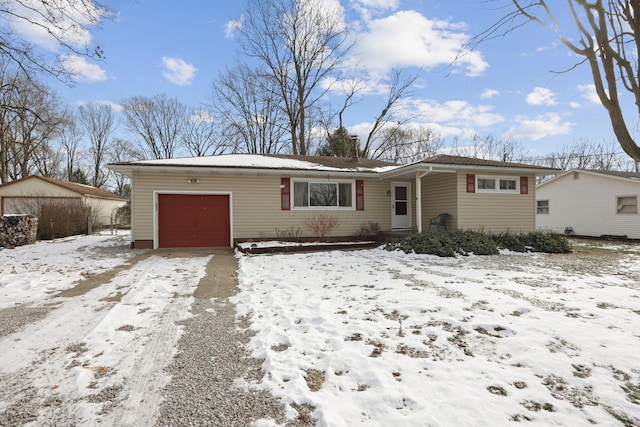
{"type": "Point", "coordinates": [156, 193]}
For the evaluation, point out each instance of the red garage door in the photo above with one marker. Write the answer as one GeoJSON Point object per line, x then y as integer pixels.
{"type": "Point", "coordinates": [189, 221]}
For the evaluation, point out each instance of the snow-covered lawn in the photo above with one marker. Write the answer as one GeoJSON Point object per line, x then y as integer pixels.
{"type": "Point", "coordinates": [365, 337]}
{"type": "Point", "coordinates": [380, 338]}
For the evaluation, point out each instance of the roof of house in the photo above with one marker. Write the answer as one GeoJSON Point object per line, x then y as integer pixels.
{"type": "Point", "coordinates": [85, 190]}
{"type": "Point", "coordinates": [620, 175]}
{"type": "Point", "coordinates": [445, 159]}
{"type": "Point", "coordinates": [264, 161]}
{"type": "Point", "coordinates": [320, 163]}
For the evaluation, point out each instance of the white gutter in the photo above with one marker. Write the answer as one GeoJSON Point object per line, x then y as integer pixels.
{"type": "Point", "coordinates": [129, 169]}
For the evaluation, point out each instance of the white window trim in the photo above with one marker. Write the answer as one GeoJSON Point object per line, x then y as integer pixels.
{"type": "Point", "coordinates": [618, 197]}
{"type": "Point", "coordinates": [323, 208]}
{"type": "Point", "coordinates": [497, 179]}
{"type": "Point", "coordinates": [548, 207]}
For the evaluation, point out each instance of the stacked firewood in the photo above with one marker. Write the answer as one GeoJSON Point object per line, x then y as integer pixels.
{"type": "Point", "coordinates": [18, 230]}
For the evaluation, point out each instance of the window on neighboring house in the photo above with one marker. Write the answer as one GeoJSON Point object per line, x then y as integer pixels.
{"type": "Point", "coordinates": [627, 205]}
{"type": "Point", "coordinates": [309, 194]}
{"type": "Point", "coordinates": [497, 184]}
{"type": "Point", "coordinates": [543, 207]}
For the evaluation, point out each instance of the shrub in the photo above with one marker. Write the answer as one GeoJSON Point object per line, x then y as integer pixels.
{"type": "Point", "coordinates": [533, 242]}
{"type": "Point", "coordinates": [511, 241]}
{"type": "Point", "coordinates": [472, 242]}
{"type": "Point", "coordinates": [322, 226]}
{"type": "Point", "coordinates": [62, 219]}
{"type": "Point", "coordinates": [552, 243]}
{"type": "Point", "coordinates": [369, 230]}
{"type": "Point", "coordinates": [440, 244]}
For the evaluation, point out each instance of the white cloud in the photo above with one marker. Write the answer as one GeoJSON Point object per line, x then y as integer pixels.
{"type": "Point", "coordinates": [231, 26]}
{"type": "Point", "coordinates": [588, 93]}
{"type": "Point", "coordinates": [27, 19]}
{"type": "Point", "coordinates": [368, 8]}
{"type": "Point", "coordinates": [111, 104]}
{"type": "Point", "coordinates": [489, 93]}
{"type": "Point", "coordinates": [178, 71]}
{"type": "Point", "coordinates": [201, 116]}
{"type": "Point", "coordinates": [541, 96]}
{"type": "Point", "coordinates": [452, 113]}
{"type": "Point", "coordinates": [81, 69]}
{"type": "Point", "coordinates": [550, 124]}
{"type": "Point", "coordinates": [409, 39]}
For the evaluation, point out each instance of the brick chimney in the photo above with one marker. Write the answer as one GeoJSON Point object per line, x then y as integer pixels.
{"type": "Point", "coordinates": [354, 149]}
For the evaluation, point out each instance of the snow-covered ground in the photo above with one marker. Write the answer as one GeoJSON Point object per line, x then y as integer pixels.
{"type": "Point", "coordinates": [365, 337]}
{"type": "Point", "coordinates": [382, 338]}
{"type": "Point", "coordinates": [97, 353]}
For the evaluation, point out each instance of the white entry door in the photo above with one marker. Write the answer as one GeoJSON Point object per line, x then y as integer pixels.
{"type": "Point", "coordinates": [401, 205]}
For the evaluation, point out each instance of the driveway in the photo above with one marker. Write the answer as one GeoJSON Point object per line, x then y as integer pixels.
{"type": "Point", "coordinates": [115, 346]}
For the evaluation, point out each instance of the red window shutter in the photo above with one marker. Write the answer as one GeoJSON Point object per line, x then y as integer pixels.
{"type": "Point", "coordinates": [359, 195]}
{"type": "Point", "coordinates": [471, 183]}
{"type": "Point", "coordinates": [285, 194]}
{"type": "Point", "coordinates": [524, 185]}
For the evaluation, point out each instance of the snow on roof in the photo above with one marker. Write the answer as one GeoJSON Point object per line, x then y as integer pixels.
{"type": "Point", "coordinates": [262, 161]}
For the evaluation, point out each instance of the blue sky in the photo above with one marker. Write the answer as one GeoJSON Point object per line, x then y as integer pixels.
{"type": "Point", "coordinates": [505, 88]}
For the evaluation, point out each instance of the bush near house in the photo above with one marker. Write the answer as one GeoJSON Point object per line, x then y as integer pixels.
{"type": "Point", "coordinates": [62, 219]}
{"type": "Point", "coordinates": [448, 244]}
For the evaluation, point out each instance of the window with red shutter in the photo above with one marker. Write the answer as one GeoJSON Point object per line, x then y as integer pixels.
{"type": "Point", "coordinates": [359, 195]}
{"type": "Point", "coordinates": [471, 183]}
{"type": "Point", "coordinates": [285, 194]}
{"type": "Point", "coordinates": [524, 185]}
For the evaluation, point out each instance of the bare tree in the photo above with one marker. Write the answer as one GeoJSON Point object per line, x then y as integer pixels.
{"type": "Point", "coordinates": [67, 23]}
{"type": "Point", "coordinates": [200, 135]}
{"type": "Point", "coordinates": [246, 102]}
{"type": "Point", "coordinates": [488, 147]}
{"type": "Point", "coordinates": [123, 151]}
{"type": "Point", "coordinates": [158, 122]}
{"type": "Point", "coordinates": [406, 144]}
{"type": "Point", "coordinates": [98, 122]}
{"type": "Point", "coordinates": [584, 154]}
{"type": "Point", "coordinates": [606, 35]}
{"type": "Point", "coordinates": [399, 86]}
{"type": "Point", "coordinates": [70, 138]}
{"type": "Point", "coordinates": [34, 119]}
{"type": "Point", "coordinates": [299, 43]}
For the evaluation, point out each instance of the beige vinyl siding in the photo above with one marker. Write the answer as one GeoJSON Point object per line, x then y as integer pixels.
{"type": "Point", "coordinates": [256, 204]}
{"type": "Point", "coordinates": [36, 187]}
{"type": "Point", "coordinates": [439, 195]}
{"type": "Point", "coordinates": [496, 212]}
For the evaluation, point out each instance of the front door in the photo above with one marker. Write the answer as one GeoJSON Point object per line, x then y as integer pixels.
{"type": "Point", "coordinates": [401, 207]}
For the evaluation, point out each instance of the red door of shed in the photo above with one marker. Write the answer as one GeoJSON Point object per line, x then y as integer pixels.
{"type": "Point", "coordinates": [190, 221]}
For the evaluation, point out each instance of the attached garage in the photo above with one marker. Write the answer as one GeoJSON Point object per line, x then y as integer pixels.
{"type": "Point", "coordinates": [193, 220]}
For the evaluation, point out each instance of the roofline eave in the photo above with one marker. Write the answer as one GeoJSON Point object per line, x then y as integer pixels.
{"type": "Point", "coordinates": [128, 170]}
{"type": "Point", "coordinates": [448, 168]}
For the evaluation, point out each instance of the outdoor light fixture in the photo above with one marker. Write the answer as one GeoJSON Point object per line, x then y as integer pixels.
{"type": "Point", "coordinates": [389, 193]}
{"type": "Point", "coordinates": [193, 180]}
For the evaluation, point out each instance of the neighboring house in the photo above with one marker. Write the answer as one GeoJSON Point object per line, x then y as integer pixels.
{"type": "Point", "coordinates": [25, 195]}
{"type": "Point", "coordinates": [219, 200]}
{"type": "Point", "coordinates": [590, 203]}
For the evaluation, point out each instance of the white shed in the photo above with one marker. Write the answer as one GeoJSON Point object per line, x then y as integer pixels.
{"type": "Point", "coordinates": [590, 203]}
{"type": "Point", "coordinates": [23, 195]}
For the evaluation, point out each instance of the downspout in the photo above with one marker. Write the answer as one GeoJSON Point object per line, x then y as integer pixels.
{"type": "Point", "coordinates": [419, 197]}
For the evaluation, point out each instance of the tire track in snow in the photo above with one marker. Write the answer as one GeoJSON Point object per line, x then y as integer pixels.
{"type": "Point", "coordinates": [144, 388]}
{"type": "Point", "coordinates": [156, 294]}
